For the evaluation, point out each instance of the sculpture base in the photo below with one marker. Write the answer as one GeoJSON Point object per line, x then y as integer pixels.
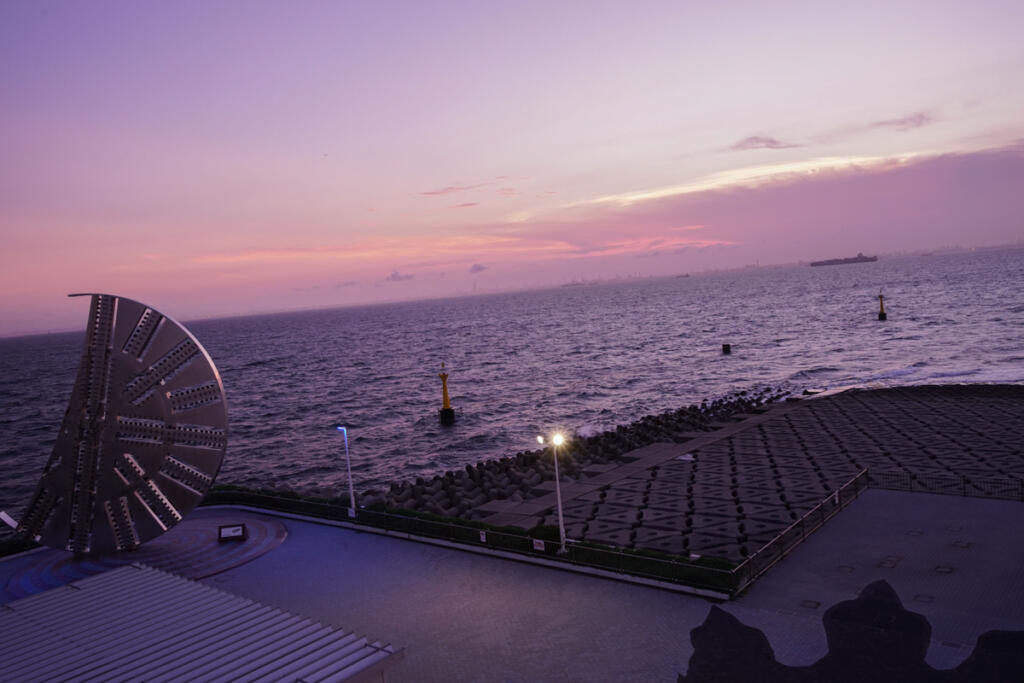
{"type": "Point", "coordinates": [447, 416]}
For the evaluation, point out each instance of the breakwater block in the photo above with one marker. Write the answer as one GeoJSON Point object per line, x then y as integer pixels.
{"type": "Point", "coordinates": [447, 416]}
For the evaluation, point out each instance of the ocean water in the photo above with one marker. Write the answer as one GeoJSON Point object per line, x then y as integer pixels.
{"type": "Point", "coordinates": [581, 358]}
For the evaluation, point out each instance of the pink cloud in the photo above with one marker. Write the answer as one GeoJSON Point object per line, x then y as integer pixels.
{"type": "Point", "coordinates": [451, 189]}
{"type": "Point", "coordinates": [395, 276]}
{"type": "Point", "coordinates": [971, 199]}
{"type": "Point", "coordinates": [909, 122]}
{"type": "Point", "coordinates": [761, 142]}
{"type": "Point", "coordinates": [943, 200]}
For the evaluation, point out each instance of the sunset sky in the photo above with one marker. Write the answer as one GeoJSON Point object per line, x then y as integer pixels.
{"type": "Point", "coordinates": [222, 158]}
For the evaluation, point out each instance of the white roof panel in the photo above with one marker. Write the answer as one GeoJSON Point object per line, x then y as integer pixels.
{"type": "Point", "coordinates": [138, 623]}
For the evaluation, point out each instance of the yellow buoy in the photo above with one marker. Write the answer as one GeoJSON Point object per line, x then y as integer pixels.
{"type": "Point", "coordinates": [447, 413]}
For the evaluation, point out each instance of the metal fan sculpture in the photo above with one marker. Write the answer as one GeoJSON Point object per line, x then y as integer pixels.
{"type": "Point", "coordinates": [143, 437]}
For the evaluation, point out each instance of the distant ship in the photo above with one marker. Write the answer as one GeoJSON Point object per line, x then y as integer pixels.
{"type": "Point", "coordinates": [859, 258]}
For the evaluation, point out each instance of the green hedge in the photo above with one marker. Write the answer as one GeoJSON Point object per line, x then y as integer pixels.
{"type": "Point", "coordinates": [705, 572]}
{"type": "Point", "coordinates": [13, 546]}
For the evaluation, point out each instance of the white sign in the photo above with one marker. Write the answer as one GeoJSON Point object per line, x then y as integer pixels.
{"type": "Point", "coordinates": [483, 537]}
{"type": "Point", "coordinates": [8, 520]}
{"type": "Point", "coordinates": [538, 545]}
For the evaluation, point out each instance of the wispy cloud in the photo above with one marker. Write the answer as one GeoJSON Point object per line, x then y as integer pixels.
{"type": "Point", "coordinates": [452, 189]}
{"type": "Point", "coordinates": [749, 176]}
{"type": "Point", "coordinates": [744, 209]}
{"type": "Point", "coordinates": [761, 142]}
{"type": "Point", "coordinates": [464, 205]}
{"type": "Point", "coordinates": [911, 121]}
{"type": "Point", "coordinates": [818, 207]}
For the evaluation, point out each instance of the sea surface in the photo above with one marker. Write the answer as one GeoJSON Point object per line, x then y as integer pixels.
{"type": "Point", "coordinates": [578, 358]}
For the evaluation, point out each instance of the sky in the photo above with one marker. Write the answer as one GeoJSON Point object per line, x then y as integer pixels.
{"type": "Point", "coordinates": [226, 158]}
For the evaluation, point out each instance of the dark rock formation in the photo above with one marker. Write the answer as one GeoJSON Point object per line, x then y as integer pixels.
{"type": "Point", "coordinates": [873, 634]}
{"type": "Point", "coordinates": [726, 650]}
{"type": "Point", "coordinates": [872, 638]}
{"type": "Point", "coordinates": [998, 657]}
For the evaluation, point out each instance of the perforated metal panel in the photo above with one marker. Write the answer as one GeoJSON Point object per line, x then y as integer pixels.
{"type": "Point", "coordinates": [143, 437]}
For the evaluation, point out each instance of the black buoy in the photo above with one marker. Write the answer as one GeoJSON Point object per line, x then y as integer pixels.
{"type": "Point", "coordinates": [881, 307]}
{"type": "Point", "coordinates": [726, 349]}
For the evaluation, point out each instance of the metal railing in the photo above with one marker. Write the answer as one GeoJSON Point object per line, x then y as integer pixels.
{"type": "Point", "coordinates": [1003, 488]}
{"type": "Point", "coordinates": [648, 565]}
{"type": "Point", "coordinates": [795, 534]}
{"type": "Point", "coordinates": [699, 573]}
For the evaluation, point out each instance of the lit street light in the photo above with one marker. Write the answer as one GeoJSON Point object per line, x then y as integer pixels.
{"type": "Point", "coordinates": [557, 440]}
{"type": "Point", "coordinates": [348, 468]}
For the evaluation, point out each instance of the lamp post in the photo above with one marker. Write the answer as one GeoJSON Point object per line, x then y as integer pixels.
{"type": "Point", "coordinates": [348, 469]}
{"type": "Point", "coordinates": [557, 440]}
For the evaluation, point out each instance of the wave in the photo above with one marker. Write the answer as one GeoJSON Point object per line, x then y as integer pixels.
{"type": "Point", "coordinates": [813, 372]}
{"type": "Point", "coordinates": [953, 373]}
{"type": "Point", "coordinates": [894, 373]}
{"type": "Point", "coordinates": [590, 429]}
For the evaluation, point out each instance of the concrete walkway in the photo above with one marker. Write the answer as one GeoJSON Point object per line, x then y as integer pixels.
{"type": "Point", "coordinates": [466, 617]}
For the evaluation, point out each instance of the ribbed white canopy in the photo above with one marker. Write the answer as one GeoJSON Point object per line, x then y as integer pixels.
{"type": "Point", "coordinates": [138, 623]}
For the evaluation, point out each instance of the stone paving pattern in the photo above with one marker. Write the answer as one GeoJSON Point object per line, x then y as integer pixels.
{"type": "Point", "coordinates": [729, 492]}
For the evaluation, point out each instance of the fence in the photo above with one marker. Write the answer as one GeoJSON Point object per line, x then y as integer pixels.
{"type": "Point", "coordinates": [793, 535]}
{"type": "Point", "coordinates": [948, 484]}
{"type": "Point", "coordinates": [700, 573]}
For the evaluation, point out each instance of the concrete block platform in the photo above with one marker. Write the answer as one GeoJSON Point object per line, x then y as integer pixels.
{"type": "Point", "coordinates": [777, 465]}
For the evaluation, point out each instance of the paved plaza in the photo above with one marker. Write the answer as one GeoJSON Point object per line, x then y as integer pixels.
{"type": "Point", "coordinates": [726, 493]}
{"type": "Point", "coordinates": [468, 617]}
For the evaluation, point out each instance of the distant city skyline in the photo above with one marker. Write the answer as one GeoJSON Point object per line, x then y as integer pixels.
{"type": "Point", "coordinates": [216, 159]}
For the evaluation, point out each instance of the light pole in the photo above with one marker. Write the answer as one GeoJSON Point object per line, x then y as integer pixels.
{"type": "Point", "coordinates": [348, 468]}
{"type": "Point", "coordinates": [557, 440]}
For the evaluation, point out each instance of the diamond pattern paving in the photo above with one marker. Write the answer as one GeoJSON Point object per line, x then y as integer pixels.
{"type": "Point", "coordinates": [742, 485]}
